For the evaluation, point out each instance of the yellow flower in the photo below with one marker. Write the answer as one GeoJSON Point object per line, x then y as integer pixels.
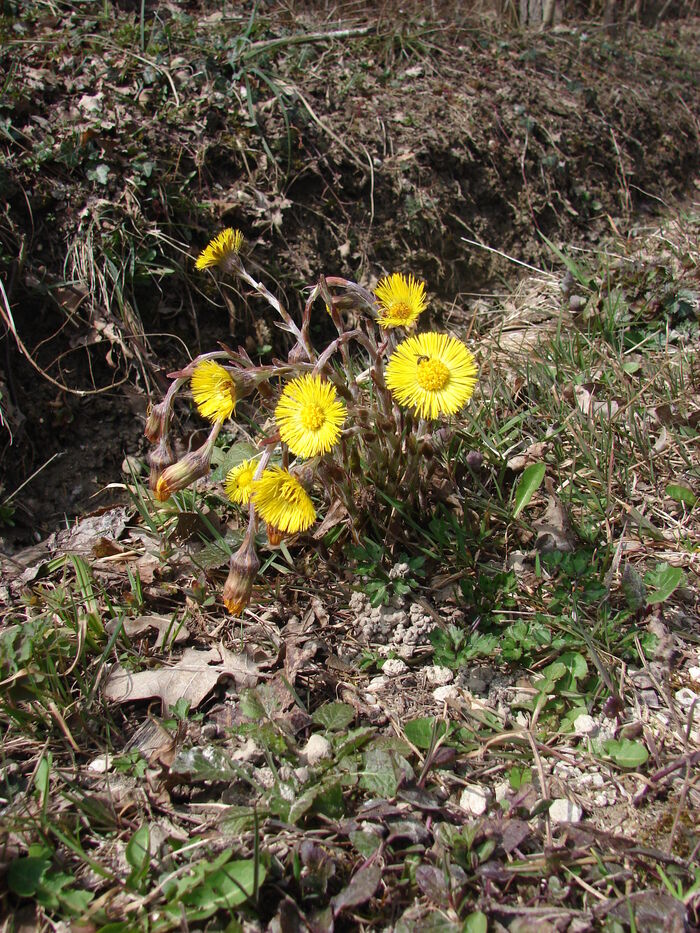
{"type": "Point", "coordinates": [214, 391]}
{"type": "Point", "coordinates": [431, 373]}
{"type": "Point", "coordinates": [239, 482]}
{"type": "Point", "coordinates": [309, 416]}
{"type": "Point", "coordinates": [225, 245]}
{"type": "Point", "coordinates": [282, 501]}
{"type": "Point", "coordinates": [400, 300]}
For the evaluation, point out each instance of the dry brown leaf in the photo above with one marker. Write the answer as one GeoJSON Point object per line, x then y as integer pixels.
{"type": "Point", "coordinates": [192, 678]}
{"type": "Point", "coordinates": [169, 631]}
{"type": "Point", "coordinates": [534, 454]}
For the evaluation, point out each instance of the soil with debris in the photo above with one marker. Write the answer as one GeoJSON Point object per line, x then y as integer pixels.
{"type": "Point", "coordinates": [401, 144]}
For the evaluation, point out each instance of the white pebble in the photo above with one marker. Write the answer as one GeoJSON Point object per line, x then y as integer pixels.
{"type": "Point", "coordinates": [686, 697]}
{"type": "Point", "coordinates": [439, 675]}
{"type": "Point", "coordinates": [101, 765]}
{"type": "Point", "coordinates": [448, 692]}
{"type": "Point", "coordinates": [394, 667]}
{"type": "Point", "coordinates": [377, 684]}
{"type": "Point", "coordinates": [475, 799]}
{"type": "Point", "coordinates": [316, 749]}
{"type": "Point", "coordinates": [565, 811]}
{"type": "Point", "coordinates": [585, 725]}
{"type": "Point", "coordinates": [694, 674]}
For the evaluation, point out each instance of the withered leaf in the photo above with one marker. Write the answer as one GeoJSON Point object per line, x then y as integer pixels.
{"type": "Point", "coordinates": [360, 889]}
{"type": "Point", "coordinates": [192, 678]}
{"type": "Point", "coordinates": [169, 631]}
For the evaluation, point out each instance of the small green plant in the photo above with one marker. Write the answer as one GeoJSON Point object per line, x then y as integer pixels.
{"type": "Point", "coordinates": [382, 585]}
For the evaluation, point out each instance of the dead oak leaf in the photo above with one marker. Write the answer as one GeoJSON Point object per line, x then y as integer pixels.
{"type": "Point", "coordinates": [192, 678]}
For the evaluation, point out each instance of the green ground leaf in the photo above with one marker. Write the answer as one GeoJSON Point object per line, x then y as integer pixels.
{"type": "Point", "coordinates": [420, 731]}
{"type": "Point", "coordinates": [626, 753]}
{"type": "Point", "coordinates": [530, 482]}
{"type": "Point", "coordinates": [24, 875]}
{"type": "Point", "coordinates": [663, 580]}
{"type": "Point", "coordinates": [475, 923]}
{"type": "Point", "coordinates": [680, 493]}
{"type": "Point", "coordinates": [334, 716]}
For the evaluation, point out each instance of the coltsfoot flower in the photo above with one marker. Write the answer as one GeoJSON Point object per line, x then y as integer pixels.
{"type": "Point", "coordinates": [239, 482]}
{"type": "Point", "coordinates": [434, 374]}
{"type": "Point", "coordinates": [221, 250]}
{"type": "Point", "coordinates": [310, 416]}
{"type": "Point", "coordinates": [401, 300]}
{"type": "Point", "coordinates": [243, 569]}
{"type": "Point", "coordinates": [214, 391]}
{"type": "Point", "coordinates": [282, 501]}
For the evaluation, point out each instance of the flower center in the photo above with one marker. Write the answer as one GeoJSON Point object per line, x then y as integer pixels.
{"type": "Point", "coordinates": [401, 310]}
{"type": "Point", "coordinates": [432, 375]}
{"type": "Point", "coordinates": [312, 417]}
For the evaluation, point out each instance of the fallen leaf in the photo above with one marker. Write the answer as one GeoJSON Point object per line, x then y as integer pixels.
{"type": "Point", "coordinates": [360, 889]}
{"type": "Point", "coordinates": [533, 454]}
{"type": "Point", "coordinates": [554, 531]}
{"type": "Point", "coordinates": [192, 678]}
{"type": "Point", "coordinates": [169, 630]}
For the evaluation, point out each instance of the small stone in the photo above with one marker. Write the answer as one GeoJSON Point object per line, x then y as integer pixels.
{"type": "Point", "coordinates": [101, 765]}
{"type": "Point", "coordinates": [585, 725]}
{"type": "Point", "coordinates": [393, 667]}
{"type": "Point", "coordinates": [565, 811]}
{"type": "Point", "coordinates": [316, 749]}
{"type": "Point", "coordinates": [377, 684]}
{"type": "Point", "coordinates": [249, 751]}
{"type": "Point", "coordinates": [302, 774]}
{"type": "Point", "coordinates": [448, 692]}
{"type": "Point", "coordinates": [686, 697]}
{"type": "Point", "coordinates": [439, 675]}
{"type": "Point", "coordinates": [694, 674]}
{"type": "Point", "coordinates": [501, 790]}
{"type": "Point", "coordinates": [475, 799]}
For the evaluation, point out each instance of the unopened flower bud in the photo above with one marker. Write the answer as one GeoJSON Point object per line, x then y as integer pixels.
{"type": "Point", "coordinates": [181, 474]}
{"type": "Point", "coordinates": [159, 459]}
{"type": "Point", "coordinates": [354, 461]}
{"type": "Point", "coordinates": [243, 570]}
{"type": "Point", "coordinates": [474, 459]}
{"type": "Point", "coordinates": [427, 451]}
{"type": "Point", "coordinates": [155, 422]}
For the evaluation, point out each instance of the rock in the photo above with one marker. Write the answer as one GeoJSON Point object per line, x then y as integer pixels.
{"type": "Point", "coordinates": [448, 692]}
{"type": "Point", "coordinates": [439, 675]}
{"type": "Point", "coordinates": [685, 697]}
{"type": "Point", "coordinates": [694, 674]}
{"type": "Point", "coordinates": [565, 811]}
{"type": "Point", "coordinates": [394, 667]}
{"type": "Point", "coordinates": [377, 684]}
{"type": "Point", "coordinates": [316, 749]}
{"type": "Point", "coordinates": [585, 725]}
{"type": "Point", "coordinates": [101, 764]}
{"type": "Point", "coordinates": [475, 799]}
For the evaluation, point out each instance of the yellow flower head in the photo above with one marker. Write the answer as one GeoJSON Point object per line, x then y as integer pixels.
{"type": "Point", "coordinates": [213, 390]}
{"type": "Point", "coordinates": [431, 373]}
{"type": "Point", "coordinates": [309, 416]}
{"type": "Point", "coordinates": [239, 482]}
{"type": "Point", "coordinates": [282, 501]}
{"type": "Point", "coordinates": [226, 244]}
{"type": "Point", "coordinates": [400, 300]}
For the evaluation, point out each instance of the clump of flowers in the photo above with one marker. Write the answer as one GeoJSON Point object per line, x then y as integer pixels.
{"type": "Point", "coordinates": [351, 424]}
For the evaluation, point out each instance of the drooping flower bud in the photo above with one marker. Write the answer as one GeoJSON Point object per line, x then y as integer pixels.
{"type": "Point", "coordinates": [243, 570]}
{"type": "Point", "coordinates": [193, 466]}
{"type": "Point", "coordinates": [155, 422]}
{"type": "Point", "coordinates": [159, 459]}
